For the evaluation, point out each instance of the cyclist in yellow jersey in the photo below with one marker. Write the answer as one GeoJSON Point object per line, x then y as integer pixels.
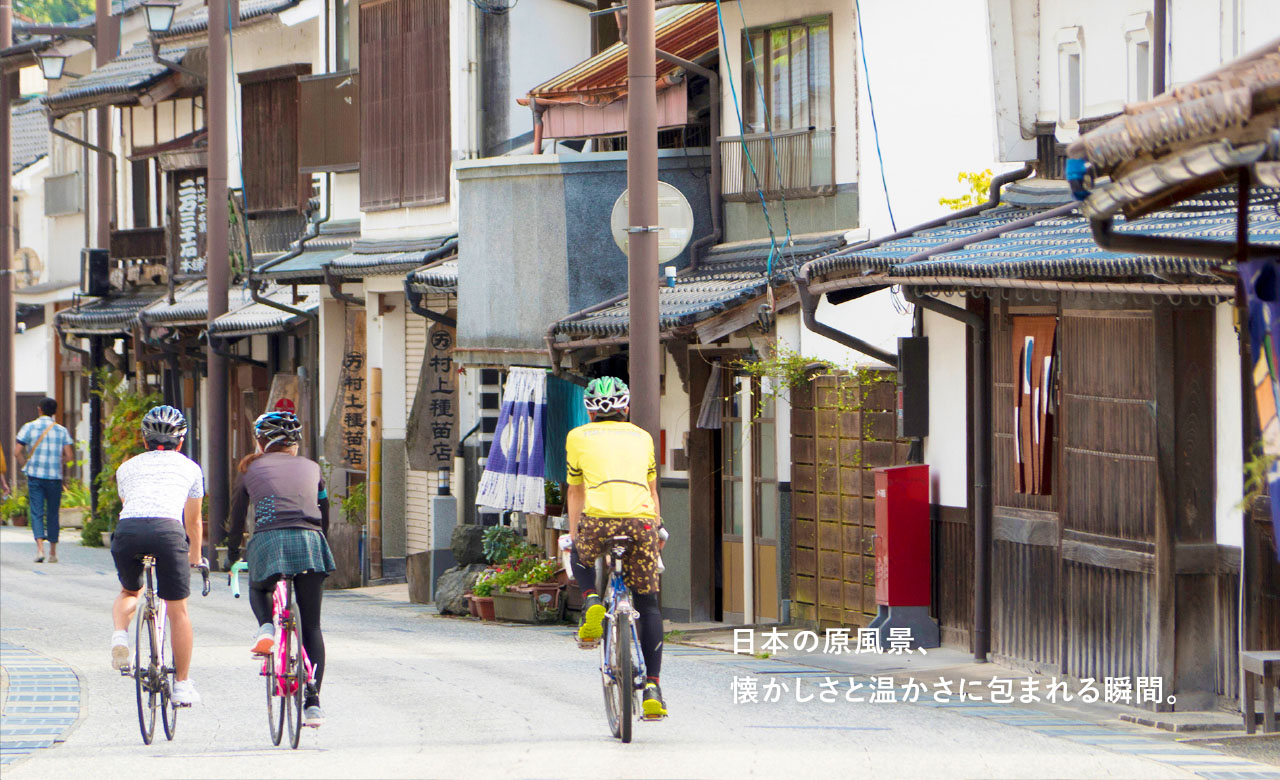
{"type": "Point", "coordinates": [613, 490]}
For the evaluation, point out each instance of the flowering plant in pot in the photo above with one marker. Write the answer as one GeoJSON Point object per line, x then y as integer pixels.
{"type": "Point", "coordinates": [482, 596]}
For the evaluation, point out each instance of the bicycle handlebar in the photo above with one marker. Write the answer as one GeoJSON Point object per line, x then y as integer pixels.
{"type": "Point", "coordinates": [203, 566]}
{"type": "Point", "coordinates": [233, 578]}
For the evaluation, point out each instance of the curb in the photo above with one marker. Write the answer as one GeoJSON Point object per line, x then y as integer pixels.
{"type": "Point", "coordinates": [41, 705]}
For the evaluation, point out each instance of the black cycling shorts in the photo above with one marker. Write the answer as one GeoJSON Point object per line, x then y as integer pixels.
{"type": "Point", "coordinates": [162, 537]}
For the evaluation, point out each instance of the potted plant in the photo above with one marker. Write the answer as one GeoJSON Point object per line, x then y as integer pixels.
{"type": "Point", "coordinates": [76, 501]}
{"type": "Point", "coordinates": [13, 507]}
{"type": "Point", "coordinates": [554, 498]}
{"type": "Point", "coordinates": [499, 542]}
{"type": "Point", "coordinates": [509, 603]}
{"type": "Point", "coordinates": [482, 596]}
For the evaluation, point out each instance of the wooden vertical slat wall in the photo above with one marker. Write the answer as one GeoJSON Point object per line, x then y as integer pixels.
{"type": "Point", "coordinates": [404, 119]}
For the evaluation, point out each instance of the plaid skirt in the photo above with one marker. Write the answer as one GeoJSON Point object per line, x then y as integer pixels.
{"type": "Point", "coordinates": [287, 551]}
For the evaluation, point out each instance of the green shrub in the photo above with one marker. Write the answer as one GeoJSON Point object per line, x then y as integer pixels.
{"type": "Point", "coordinates": [499, 542]}
{"type": "Point", "coordinates": [121, 440]}
{"type": "Point", "coordinates": [14, 505]}
{"type": "Point", "coordinates": [355, 503]}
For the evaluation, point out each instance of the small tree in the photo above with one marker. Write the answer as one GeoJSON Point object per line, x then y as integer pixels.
{"type": "Point", "coordinates": [121, 440]}
{"type": "Point", "coordinates": [979, 183]}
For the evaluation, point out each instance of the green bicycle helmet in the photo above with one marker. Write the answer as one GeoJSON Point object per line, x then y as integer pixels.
{"type": "Point", "coordinates": [607, 394]}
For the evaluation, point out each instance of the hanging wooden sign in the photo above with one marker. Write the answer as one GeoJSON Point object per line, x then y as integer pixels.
{"type": "Point", "coordinates": [353, 395]}
{"type": "Point", "coordinates": [188, 223]}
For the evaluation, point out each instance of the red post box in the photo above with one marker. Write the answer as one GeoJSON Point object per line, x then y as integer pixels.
{"type": "Point", "coordinates": [903, 546]}
{"type": "Point", "coordinates": [902, 536]}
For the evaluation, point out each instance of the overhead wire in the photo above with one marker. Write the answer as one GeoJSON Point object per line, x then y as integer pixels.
{"type": "Point", "coordinates": [755, 175]}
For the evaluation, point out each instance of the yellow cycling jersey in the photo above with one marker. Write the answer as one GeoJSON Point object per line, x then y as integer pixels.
{"type": "Point", "coordinates": [615, 462]}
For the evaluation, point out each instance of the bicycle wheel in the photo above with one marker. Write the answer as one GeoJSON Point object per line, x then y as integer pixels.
{"type": "Point", "coordinates": [169, 678]}
{"type": "Point", "coordinates": [272, 666]}
{"type": "Point", "coordinates": [617, 687]}
{"type": "Point", "coordinates": [297, 684]}
{"type": "Point", "coordinates": [143, 666]}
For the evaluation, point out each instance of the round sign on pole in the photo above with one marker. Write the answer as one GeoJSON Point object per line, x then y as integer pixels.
{"type": "Point", "coordinates": [675, 222]}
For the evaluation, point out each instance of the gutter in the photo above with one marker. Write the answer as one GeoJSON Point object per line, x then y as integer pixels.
{"type": "Point", "coordinates": [53, 130]}
{"type": "Point", "coordinates": [1140, 244]}
{"type": "Point", "coordinates": [335, 289]}
{"type": "Point", "coordinates": [414, 298]}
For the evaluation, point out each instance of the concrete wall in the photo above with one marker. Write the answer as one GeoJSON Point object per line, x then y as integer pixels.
{"type": "Point", "coordinates": [534, 243]}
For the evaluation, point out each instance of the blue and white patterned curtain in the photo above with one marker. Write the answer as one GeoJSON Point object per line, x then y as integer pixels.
{"type": "Point", "coordinates": [513, 474]}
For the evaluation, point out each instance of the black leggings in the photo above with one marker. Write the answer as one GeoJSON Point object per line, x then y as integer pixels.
{"type": "Point", "coordinates": [650, 627]}
{"type": "Point", "coordinates": [308, 590]}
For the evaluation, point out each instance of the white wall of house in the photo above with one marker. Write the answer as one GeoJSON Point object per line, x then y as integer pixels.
{"type": "Point", "coordinates": [1202, 34]}
{"type": "Point", "coordinates": [674, 410]}
{"type": "Point", "coordinates": [562, 41]}
{"type": "Point", "coordinates": [947, 445]}
{"type": "Point", "coordinates": [1228, 424]}
{"type": "Point", "coordinates": [32, 349]}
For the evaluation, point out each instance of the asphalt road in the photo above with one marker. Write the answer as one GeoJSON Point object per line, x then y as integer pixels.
{"type": "Point", "coordinates": [409, 694]}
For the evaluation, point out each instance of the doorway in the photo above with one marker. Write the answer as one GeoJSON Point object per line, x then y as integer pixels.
{"type": "Point", "coordinates": [752, 423]}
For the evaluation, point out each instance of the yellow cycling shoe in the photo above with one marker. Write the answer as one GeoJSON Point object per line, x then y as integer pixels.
{"type": "Point", "coordinates": [592, 616]}
{"type": "Point", "coordinates": [653, 705]}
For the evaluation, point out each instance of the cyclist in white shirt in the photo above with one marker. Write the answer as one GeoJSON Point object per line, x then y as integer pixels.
{"type": "Point", "coordinates": [161, 491]}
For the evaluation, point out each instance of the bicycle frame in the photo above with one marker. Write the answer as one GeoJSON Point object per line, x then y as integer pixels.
{"type": "Point", "coordinates": [617, 599]}
{"type": "Point", "coordinates": [277, 663]}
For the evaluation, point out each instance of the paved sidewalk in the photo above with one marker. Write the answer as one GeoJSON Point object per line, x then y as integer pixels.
{"type": "Point", "coordinates": [41, 702]}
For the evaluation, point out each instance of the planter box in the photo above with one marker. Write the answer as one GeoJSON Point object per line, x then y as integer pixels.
{"type": "Point", "coordinates": [106, 539]}
{"type": "Point", "coordinates": [515, 607]}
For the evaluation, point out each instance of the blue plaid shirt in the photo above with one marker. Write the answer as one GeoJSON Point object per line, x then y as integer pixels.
{"type": "Point", "coordinates": [46, 461]}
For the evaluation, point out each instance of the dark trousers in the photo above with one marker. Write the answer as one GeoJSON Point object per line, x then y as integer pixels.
{"type": "Point", "coordinates": [308, 590]}
{"type": "Point", "coordinates": [649, 628]}
{"type": "Point", "coordinates": [44, 497]}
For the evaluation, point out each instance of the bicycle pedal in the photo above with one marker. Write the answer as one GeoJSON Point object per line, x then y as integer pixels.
{"type": "Point", "coordinates": [589, 644]}
{"type": "Point", "coordinates": [653, 717]}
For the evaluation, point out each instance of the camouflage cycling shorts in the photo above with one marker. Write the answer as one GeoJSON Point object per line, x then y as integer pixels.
{"type": "Point", "coordinates": [640, 569]}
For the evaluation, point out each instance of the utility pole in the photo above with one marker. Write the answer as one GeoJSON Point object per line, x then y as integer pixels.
{"type": "Point", "coordinates": [642, 195]}
{"type": "Point", "coordinates": [8, 427]}
{"type": "Point", "coordinates": [107, 34]}
{"type": "Point", "coordinates": [217, 271]}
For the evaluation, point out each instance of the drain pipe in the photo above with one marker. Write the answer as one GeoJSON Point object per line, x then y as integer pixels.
{"type": "Point", "coordinates": [335, 289]}
{"type": "Point", "coordinates": [809, 309]}
{"type": "Point", "coordinates": [980, 443]}
{"type": "Point", "coordinates": [1144, 244]}
{"type": "Point", "coordinates": [414, 298]}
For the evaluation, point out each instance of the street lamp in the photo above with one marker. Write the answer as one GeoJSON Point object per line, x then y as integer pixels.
{"type": "Point", "coordinates": [159, 16]}
{"type": "Point", "coordinates": [52, 65]}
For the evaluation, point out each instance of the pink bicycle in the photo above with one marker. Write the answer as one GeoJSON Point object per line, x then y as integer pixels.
{"type": "Point", "coordinates": [287, 670]}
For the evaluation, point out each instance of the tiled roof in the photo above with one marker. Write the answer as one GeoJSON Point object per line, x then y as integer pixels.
{"type": "Point", "coordinates": [382, 257]}
{"type": "Point", "coordinates": [198, 22]}
{"type": "Point", "coordinates": [106, 316]}
{"type": "Point", "coordinates": [688, 31]}
{"type": "Point", "coordinates": [255, 318]}
{"type": "Point", "coordinates": [119, 79]}
{"type": "Point", "coordinates": [441, 277]}
{"type": "Point", "coordinates": [334, 241]}
{"type": "Point", "coordinates": [1059, 247]}
{"type": "Point", "coordinates": [1187, 139]}
{"type": "Point", "coordinates": [190, 307]}
{"type": "Point", "coordinates": [730, 275]}
{"type": "Point", "coordinates": [30, 139]}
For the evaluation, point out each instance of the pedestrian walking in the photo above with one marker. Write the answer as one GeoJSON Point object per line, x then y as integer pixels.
{"type": "Point", "coordinates": [43, 448]}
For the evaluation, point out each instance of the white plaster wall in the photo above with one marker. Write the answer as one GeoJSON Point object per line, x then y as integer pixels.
{"type": "Point", "coordinates": [31, 349]}
{"type": "Point", "coordinates": [673, 409]}
{"type": "Point", "coordinates": [1228, 422]}
{"type": "Point", "coordinates": [33, 226]}
{"type": "Point", "coordinates": [346, 196]}
{"type": "Point", "coordinates": [930, 56]}
{"type": "Point", "coordinates": [395, 411]}
{"type": "Point", "coordinates": [872, 318]}
{"type": "Point", "coordinates": [562, 40]}
{"type": "Point", "coordinates": [947, 445]}
{"type": "Point", "coordinates": [65, 240]}
{"type": "Point", "coordinates": [789, 329]}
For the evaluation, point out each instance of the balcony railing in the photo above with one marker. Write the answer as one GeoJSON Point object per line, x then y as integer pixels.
{"type": "Point", "coordinates": [804, 165]}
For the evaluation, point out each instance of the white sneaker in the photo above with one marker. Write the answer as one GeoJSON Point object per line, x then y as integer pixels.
{"type": "Point", "coordinates": [184, 693]}
{"type": "Point", "coordinates": [265, 641]}
{"type": "Point", "coordinates": [120, 650]}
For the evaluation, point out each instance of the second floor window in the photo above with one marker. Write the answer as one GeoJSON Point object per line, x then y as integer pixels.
{"type": "Point", "coordinates": [404, 103]}
{"type": "Point", "coordinates": [792, 68]}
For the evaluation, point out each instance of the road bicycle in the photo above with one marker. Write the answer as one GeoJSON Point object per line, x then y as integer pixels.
{"type": "Point", "coordinates": [621, 662]}
{"type": "Point", "coordinates": [154, 679]}
{"type": "Point", "coordinates": [287, 669]}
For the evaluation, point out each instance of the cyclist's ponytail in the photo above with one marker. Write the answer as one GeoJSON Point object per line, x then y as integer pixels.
{"type": "Point", "coordinates": [248, 460]}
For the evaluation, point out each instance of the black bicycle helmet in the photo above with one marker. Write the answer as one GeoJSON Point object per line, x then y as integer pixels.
{"type": "Point", "coordinates": [163, 426]}
{"type": "Point", "coordinates": [278, 428]}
